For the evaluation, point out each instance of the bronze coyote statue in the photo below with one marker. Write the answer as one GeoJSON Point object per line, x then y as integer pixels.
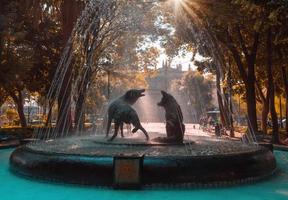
{"type": "Point", "coordinates": [174, 120]}
{"type": "Point", "coordinates": [121, 112]}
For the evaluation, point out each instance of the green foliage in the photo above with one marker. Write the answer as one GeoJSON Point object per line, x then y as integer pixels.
{"type": "Point", "coordinates": [238, 29]}
{"type": "Point", "coordinates": [28, 49]}
{"type": "Point", "coordinates": [11, 115]}
{"type": "Point", "coordinates": [30, 46]}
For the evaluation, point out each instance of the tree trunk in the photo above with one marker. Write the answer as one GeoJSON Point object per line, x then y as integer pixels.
{"type": "Point", "coordinates": [285, 82]}
{"type": "Point", "coordinates": [44, 107]}
{"type": "Point", "coordinates": [49, 115]}
{"type": "Point", "coordinates": [265, 107]}
{"type": "Point", "coordinates": [250, 87]}
{"type": "Point", "coordinates": [232, 134]}
{"type": "Point", "coordinates": [251, 105]}
{"type": "Point", "coordinates": [275, 131]}
{"type": "Point", "coordinates": [247, 77]}
{"type": "Point", "coordinates": [18, 100]}
{"type": "Point", "coordinates": [1, 44]}
{"type": "Point", "coordinates": [280, 110]}
{"type": "Point", "coordinates": [286, 115]}
{"type": "Point", "coordinates": [80, 112]}
{"type": "Point", "coordinates": [64, 119]}
{"type": "Point", "coordinates": [20, 109]}
{"type": "Point", "coordinates": [223, 114]}
{"type": "Point", "coordinates": [264, 116]}
{"type": "Point", "coordinates": [80, 108]}
{"type": "Point", "coordinates": [80, 104]}
{"type": "Point", "coordinates": [70, 11]}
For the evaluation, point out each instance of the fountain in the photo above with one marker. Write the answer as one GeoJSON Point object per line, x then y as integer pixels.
{"type": "Point", "coordinates": [129, 162]}
{"type": "Point", "coordinates": [91, 160]}
{"type": "Point", "coordinates": [134, 163]}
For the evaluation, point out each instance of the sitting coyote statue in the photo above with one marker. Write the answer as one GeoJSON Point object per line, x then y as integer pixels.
{"type": "Point", "coordinates": [174, 120]}
{"type": "Point", "coordinates": [121, 112]}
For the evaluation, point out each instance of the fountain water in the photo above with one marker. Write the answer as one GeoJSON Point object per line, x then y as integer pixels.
{"type": "Point", "coordinates": [198, 161]}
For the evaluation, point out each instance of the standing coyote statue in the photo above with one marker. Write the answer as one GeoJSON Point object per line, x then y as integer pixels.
{"type": "Point", "coordinates": [174, 120]}
{"type": "Point", "coordinates": [121, 112]}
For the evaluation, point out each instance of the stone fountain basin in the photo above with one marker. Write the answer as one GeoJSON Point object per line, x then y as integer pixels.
{"type": "Point", "coordinates": [199, 162]}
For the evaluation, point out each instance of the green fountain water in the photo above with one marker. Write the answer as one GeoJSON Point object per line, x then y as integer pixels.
{"type": "Point", "coordinates": [14, 188]}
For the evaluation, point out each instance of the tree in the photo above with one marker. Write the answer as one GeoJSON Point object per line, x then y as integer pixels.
{"type": "Point", "coordinates": [11, 115]}
{"type": "Point", "coordinates": [271, 87]}
{"type": "Point", "coordinates": [15, 54]}
{"type": "Point", "coordinates": [198, 89]}
{"type": "Point", "coordinates": [31, 45]}
{"type": "Point", "coordinates": [97, 31]}
{"type": "Point", "coordinates": [242, 38]}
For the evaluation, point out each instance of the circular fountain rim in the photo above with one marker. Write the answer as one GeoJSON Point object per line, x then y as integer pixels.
{"type": "Point", "coordinates": [190, 148]}
{"type": "Point", "coordinates": [260, 150]}
{"type": "Point", "coordinates": [149, 143]}
{"type": "Point", "coordinates": [46, 166]}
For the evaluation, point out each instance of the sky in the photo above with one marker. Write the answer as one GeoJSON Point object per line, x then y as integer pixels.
{"type": "Point", "coordinates": [183, 58]}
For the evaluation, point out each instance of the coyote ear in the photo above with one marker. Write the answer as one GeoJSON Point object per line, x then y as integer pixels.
{"type": "Point", "coordinates": [164, 93]}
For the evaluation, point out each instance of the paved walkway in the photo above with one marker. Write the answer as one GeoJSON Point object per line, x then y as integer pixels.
{"type": "Point", "coordinates": [190, 129]}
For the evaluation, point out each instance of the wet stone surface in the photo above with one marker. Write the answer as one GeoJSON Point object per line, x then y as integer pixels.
{"type": "Point", "coordinates": [98, 146]}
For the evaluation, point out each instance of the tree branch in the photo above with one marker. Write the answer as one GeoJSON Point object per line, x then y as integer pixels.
{"type": "Point", "coordinates": [261, 94]}
{"type": "Point", "coordinates": [242, 43]}
{"type": "Point", "coordinates": [254, 47]}
{"type": "Point", "coordinates": [236, 56]}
